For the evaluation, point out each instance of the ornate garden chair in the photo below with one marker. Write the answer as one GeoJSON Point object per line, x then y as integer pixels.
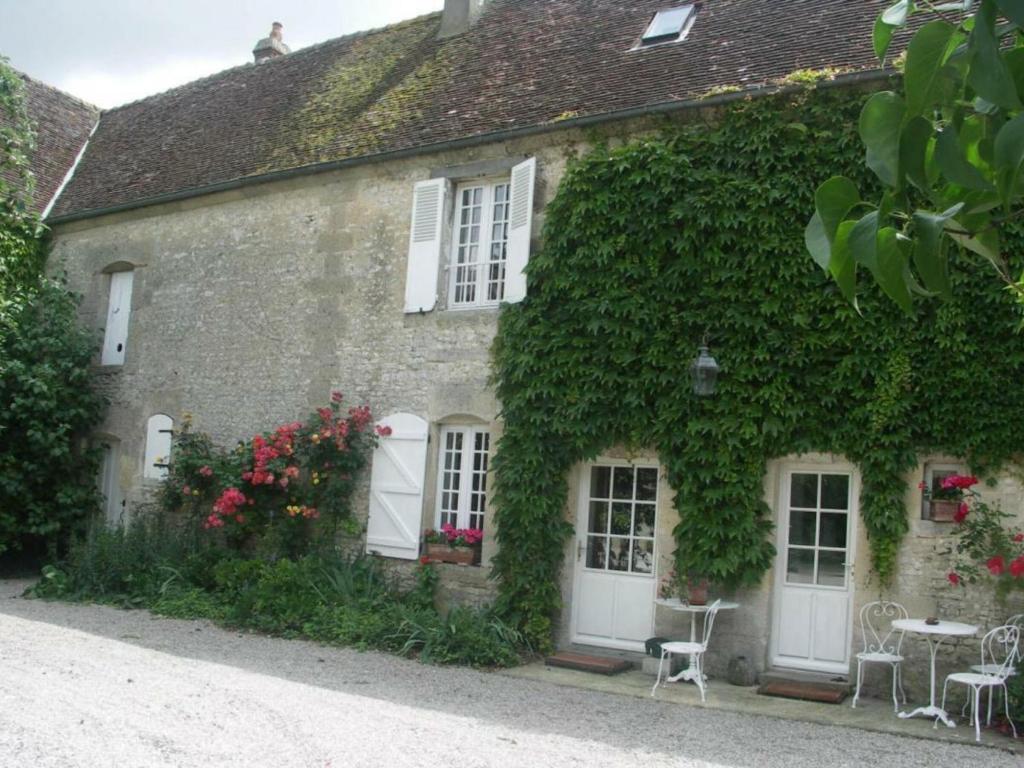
{"type": "Point", "coordinates": [882, 644]}
{"type": "Point", "coordinates": [999, 651]}
{"type": "Point", "coordinates": [694, 650]}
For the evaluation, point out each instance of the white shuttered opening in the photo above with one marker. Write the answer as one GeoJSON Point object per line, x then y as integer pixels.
{"type": "Point", "coordinates": [425, 245]}
{"type": "Point", "coordinates": [396, 488]}
{"type": "Point", "coordinates": [119, 308]}
{"type": "Point", "coordinates": [520, 226]}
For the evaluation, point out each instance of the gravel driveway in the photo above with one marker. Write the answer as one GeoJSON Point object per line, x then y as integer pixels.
{"type": "Point", "coordinates": [94, 686]}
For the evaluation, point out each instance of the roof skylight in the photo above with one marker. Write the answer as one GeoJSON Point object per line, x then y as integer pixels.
{"type": "Point", "coordinates": [669, 25]}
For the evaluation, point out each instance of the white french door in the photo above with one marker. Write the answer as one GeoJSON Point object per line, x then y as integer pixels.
{"type": "Point", "coordinates": [613, 601]}
{"type": "Point", "coordinates": [814, 584]}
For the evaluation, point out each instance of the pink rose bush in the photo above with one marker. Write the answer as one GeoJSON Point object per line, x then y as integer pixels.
{"type": "Point", "coordinates": [280, 482]}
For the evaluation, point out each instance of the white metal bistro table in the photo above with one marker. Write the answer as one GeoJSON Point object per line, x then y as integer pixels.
{"type": "Point", "coordinates": [934, 634]}
{"type": "Point", "coordinates": [675, 604]}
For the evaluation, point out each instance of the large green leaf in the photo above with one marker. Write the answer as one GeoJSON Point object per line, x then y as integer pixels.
{"type": "Point", "coordinates": [880, 124]}
{"type": "Point", "coordinates": [989, 75]}
{"type": "Point", "coordinates": [926, 56]}
{"type": "Point", "coordinates": [929, 252]}
{"type": "Point", "coordinates": [843, 267]}
{"type": "Point", "coordinates": [1009, 157]}
{"type": "Point", "coordinates": [834, 199]}
{"type": "Point", "coordinates": [985, 243]}
{"type": "Point", "coordinates": [817, 242]}
{"type": "Point", "coordinates": [1013, 10]}
{"type": "Point", "coordinates": [891, 268]}
{"type": "Point", "coordinates": [863, 241]}
{"type": "Point", "coordinates": [949, 155]}
{"type": "Point", "coordinates": [915, 142]}
{"type": "Point", "coordinates": [881, 37]}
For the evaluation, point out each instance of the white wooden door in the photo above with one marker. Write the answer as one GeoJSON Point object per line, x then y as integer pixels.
{"type": "Point", "coordinates": [613, 601]}
{"type": "Point", "coordinates": [814, 584]}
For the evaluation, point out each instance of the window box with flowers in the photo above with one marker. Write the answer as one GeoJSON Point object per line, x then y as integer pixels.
{"type": "Point", "coordinates": [453, 545]}
{"type": "Point", "coordinates": [943, 494]}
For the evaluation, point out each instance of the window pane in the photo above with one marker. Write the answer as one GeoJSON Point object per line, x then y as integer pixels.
{"type": "Point", "coordinates": [831, 571]}
{"type": "Point", "coordinates": [800, 566]}
{"type": "Point", "coordinates": [600, 482]}
{"type": "Point", "coordinates": [835, 491]}
{"type": "Point", "coordinates": [646, 484]}
{"type": "Point", "coordinates": [833, 530]}
{"type": "Point", "coordinates": [597, 554]}
{"type": "Point", "coordinates": [622, 518]}
{"type": "Point", "coordinates": [598, 517]}
{"type": "Point", "coordinates": [618, 555]}
{"type": "Point", "coordinates": [803, 490]}
{"type": "Point", "coordinates": [622, 483]}
{"type": "Point", "coordinates": [643, 520]}
{"type": "Point", "coordinates": [801, 527]}
{"type": "Point", "coordinates": [643, 556]}
{"type": "Point", "coordinates": [669, 22]}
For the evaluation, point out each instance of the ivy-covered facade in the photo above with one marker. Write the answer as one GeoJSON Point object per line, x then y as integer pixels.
{"type": "Point", "coordinates": [557, 411]}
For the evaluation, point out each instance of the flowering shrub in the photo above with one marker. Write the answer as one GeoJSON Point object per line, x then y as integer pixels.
{"type": "Point", "coordinates": [275, 486]}
{"type": "Point", "coordinates": [985, 547]}
{"type": "Point", "coordinates": [454, 537]}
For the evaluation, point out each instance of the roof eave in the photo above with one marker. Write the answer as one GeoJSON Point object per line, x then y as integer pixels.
{"type": "Point", "coordinates": [852, 78]}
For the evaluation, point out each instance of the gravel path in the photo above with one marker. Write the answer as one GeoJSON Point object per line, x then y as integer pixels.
{"type": "Point", "coordinates": [93, 686]}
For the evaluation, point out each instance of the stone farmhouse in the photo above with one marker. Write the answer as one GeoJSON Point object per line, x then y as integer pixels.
{"type": "Point", "coordinates": [353, 215]}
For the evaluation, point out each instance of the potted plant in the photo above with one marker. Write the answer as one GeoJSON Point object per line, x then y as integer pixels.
{"type": "Point", "coordinates": [946, 496]}
{"type": "Point", "coordinates": [453, 545]}
{"type": "Point", "coordinates": [696, 588]}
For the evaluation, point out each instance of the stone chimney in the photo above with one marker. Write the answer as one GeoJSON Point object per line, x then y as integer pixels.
{"type": "Point", "coordinates": [271, 47]}
{"type": "Point", "coordinates": [459, 15]}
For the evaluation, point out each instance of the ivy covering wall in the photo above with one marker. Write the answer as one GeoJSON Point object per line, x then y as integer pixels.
{"type": "Point", "coordinates": [649, 246]}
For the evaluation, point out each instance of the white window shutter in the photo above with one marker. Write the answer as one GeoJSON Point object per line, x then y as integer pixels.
{"type": "Point", "coordinates": [396, 488]}
{"type": "Point", "coordinates": [425, 245]}
{"type": "Point", "coordinates": [119, 308]}
{"type": "Point", "coordinates": [519, 227]}
{"type": "Point", "coordinates": [158, 446]}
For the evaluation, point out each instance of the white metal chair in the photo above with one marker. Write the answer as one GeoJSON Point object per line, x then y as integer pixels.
{"type": "Point", "coordinates": [999, 650]}
{"type": "Point", "coordinates": [695, 650]}
{"type": "Point", "coordinates": [882, 644]}
{"type": "Point", "coordinates": [989, 669]}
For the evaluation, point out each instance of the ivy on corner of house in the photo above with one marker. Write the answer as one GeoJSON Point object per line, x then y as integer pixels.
{"type": "Point", "coordinates": [652, 245]}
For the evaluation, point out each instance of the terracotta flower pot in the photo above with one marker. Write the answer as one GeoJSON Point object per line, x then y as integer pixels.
{"type": "Point", "coordinates": [697, 591]}
{"type": "Point", "coordinates": [442, 553]}
{"type": "Point", "coordinates": [943, 510]}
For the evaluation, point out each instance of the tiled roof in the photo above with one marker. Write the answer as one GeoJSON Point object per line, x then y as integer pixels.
{"type": "Point", "coordinates": [524, 63]}
{"type": "Point", "coordinates": [62, 124]}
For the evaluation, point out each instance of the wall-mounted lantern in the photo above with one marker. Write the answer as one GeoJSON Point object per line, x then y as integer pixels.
{"type": "Point", "coordinates": [704, 371]}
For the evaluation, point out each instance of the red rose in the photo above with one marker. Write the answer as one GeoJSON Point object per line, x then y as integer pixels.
{"type": "Point", "coordinates": [961, 512]}
{"type": "Point", "coordinates": [424, 560]}
{"type": "Point", "coordinates": [996, 565]}
{"type": "Point", "coordinates": [954, 578]}
{"type": "Point", "coordinates": [1017, 567]}
{"type": "Point", "coordinates": [1019, 537]}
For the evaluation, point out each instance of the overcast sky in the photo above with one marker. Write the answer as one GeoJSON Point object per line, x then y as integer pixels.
{"type": "Point", "coordinates": [110, 52]}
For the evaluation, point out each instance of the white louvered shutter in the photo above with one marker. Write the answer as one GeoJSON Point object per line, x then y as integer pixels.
{"type": "Point", "coordinates": [425, 245]}
{"type": "Point", "coordinates": [158, 446]}
{"type": "Point", "coordinates": [519, 227]}
{"type": "Point", "coordinates": [119, 308]}
{"type": "Point", "coordinates": [396, 488]}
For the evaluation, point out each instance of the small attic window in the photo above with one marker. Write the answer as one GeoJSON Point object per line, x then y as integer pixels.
{"type": "Point", "coordinates": [669, 25]}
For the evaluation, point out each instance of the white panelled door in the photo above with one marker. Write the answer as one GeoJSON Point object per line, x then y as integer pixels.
{"type": "Point", "coordinates": [814, 584]}
{"type": "Point", "coordinates": [396, 488]}
{"type": "Point", "coordinates": [613, 602]}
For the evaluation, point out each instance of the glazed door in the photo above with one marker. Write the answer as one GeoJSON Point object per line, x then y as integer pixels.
{"type": "Point", "coordinates": [814, 585]}
{"type": "Point", "coordinates": [613, 603]}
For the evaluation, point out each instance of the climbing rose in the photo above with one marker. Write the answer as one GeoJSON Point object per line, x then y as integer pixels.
{"type": "Point", "coordinates": [1017, 567]}
{"type": "Point", "coordinates": [1019, 537]}
{"type": "Point", "coordinates": [205, 471]}
{"type": "Point", "coordinates": [336, 396]}
{"type": "Point", "coordinates": [961, 512]}
{"type": "Point", "coordinates": [996, 565]}
{"type": "Point", "coordinates": [959, 481]}
{"type": "Point", "coordinates": [424, 560]}
{"type": "Point", "coordinates": [954, 577]}
{"type": "Point", "coordinates": [384, 431]}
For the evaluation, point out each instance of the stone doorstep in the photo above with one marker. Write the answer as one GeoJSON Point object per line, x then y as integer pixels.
{"type": "Point", "coordinates": [873, 715]}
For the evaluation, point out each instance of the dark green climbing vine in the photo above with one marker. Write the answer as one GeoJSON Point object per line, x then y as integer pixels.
{"type": "Point", "coordinates": [651, 245]}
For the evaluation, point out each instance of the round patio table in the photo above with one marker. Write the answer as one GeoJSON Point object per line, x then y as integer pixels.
{"type": "Point", "coordinates": [675, 604]}
{"type": "Point", "coordinates": [934, 634]}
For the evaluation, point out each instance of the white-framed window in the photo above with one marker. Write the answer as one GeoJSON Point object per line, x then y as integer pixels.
{"type": "Point", "coordinates": [479, 244]}
{"type": "Point", "coordinates": [462, 477]}
{"type": "Point", "coordinates": [669, 25]}
{"type": "Point", "coordinates": [119, 307]}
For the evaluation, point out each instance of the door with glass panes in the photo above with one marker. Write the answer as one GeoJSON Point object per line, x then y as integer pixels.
{"type": "Point", "coordinates": [613, 602]}
{"type": "Point", "coordinates": [814, 584]}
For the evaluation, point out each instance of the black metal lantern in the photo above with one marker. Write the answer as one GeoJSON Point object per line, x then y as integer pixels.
{"type": "Point", "coordinates": [704, 371]}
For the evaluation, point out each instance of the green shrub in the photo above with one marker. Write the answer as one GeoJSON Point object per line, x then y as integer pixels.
{"type": "Point", "coordinates": [465, 636]}
{"type": "Point", "coordinates": [191, 603]}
